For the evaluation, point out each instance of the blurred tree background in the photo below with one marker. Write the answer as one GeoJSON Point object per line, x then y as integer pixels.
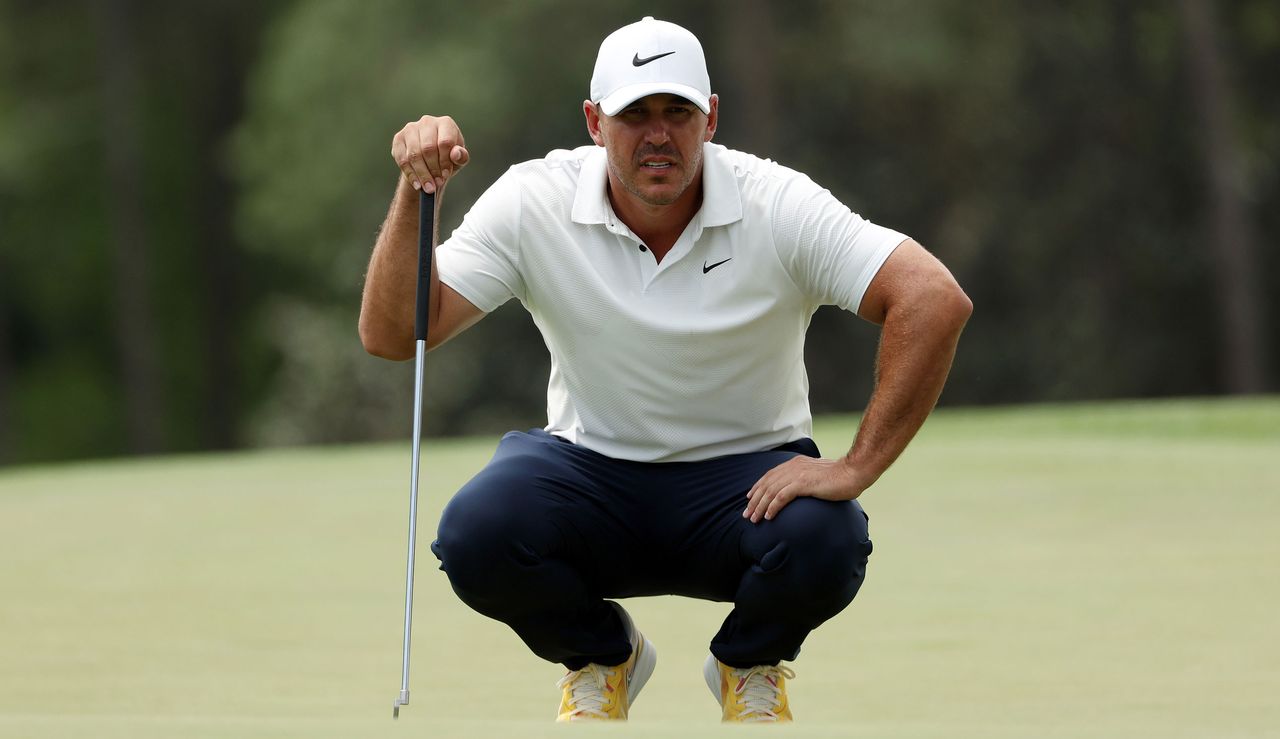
{"type": "Point", "coordinates": [189, 193]}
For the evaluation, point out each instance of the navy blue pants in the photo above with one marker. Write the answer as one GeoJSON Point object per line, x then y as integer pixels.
{"type": "Point", "coordinates": [548, 530]}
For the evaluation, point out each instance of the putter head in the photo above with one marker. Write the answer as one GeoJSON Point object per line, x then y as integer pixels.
{"type": "Point", "coordinates": [401, 700]}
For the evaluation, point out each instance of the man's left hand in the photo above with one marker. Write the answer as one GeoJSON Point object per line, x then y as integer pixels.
{"type": "Point", "coordinates": [829, 479]}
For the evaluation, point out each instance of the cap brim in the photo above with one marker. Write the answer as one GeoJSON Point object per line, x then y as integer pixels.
{"type": "Point", "coordinates": [624, 96]}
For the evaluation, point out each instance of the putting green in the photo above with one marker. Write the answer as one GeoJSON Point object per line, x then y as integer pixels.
{"type": "Point", "coordinates": [1096, 570]}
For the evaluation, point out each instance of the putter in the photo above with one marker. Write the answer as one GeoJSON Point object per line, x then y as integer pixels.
{"type": "Point", "coordinates": [426, 231]}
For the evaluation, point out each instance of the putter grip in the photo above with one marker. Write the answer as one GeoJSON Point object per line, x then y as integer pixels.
{"type": "Point", "coordinates": [426, 230]}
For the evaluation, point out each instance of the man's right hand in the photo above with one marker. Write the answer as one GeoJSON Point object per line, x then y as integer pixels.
{"type": "Point", "coordinates": [429, 151]}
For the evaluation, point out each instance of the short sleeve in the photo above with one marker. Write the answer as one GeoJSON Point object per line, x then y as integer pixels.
{"type": "Point", "coordinates": [831, 252]}
{"type": "Point", "coordinates": [481, 260]}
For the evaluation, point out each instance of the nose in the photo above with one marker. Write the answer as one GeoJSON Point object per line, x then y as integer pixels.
{"type": "Point", "coordinates": [657, 134]}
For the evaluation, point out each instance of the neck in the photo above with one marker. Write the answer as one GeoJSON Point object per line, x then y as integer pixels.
{"type": "Point", "coordinates": [658, 226]}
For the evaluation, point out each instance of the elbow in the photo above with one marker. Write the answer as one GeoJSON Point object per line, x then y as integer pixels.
{"type": "Point", "coordinates": [951, 306]}
{"type": "Point", "coordinates": [959, 306]}
{"type": "Point", "coordinates": [375, 342]}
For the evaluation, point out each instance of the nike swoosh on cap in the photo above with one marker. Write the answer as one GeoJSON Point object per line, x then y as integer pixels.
{"type": "Point", "coordinates": [636, 61]}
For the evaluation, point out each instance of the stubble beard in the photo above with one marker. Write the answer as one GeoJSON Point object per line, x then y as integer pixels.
{"type": "Point", "coordinates": [628, 173]}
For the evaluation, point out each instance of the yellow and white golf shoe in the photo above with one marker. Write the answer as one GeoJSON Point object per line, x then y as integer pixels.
{"type": "Point", "coordinates": [752, 695]}
{"type": "Point", "coordinates": [602, 692]}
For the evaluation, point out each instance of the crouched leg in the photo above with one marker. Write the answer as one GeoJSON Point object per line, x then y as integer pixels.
{"type": "Point", "coordinates": [802, 567]}
{"type": "Point", "coordinates": [505, 542]}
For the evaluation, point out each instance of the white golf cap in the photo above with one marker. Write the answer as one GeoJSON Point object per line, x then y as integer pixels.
{"type": "Point", "coordinates": [650, 57]}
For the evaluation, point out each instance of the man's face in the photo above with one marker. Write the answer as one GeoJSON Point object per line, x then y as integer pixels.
{"type": "Point", "coordinates": [654, 145]}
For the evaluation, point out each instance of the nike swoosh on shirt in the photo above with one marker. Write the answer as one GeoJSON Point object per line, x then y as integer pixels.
{"type": "Point", "coordinates": [706, 268]}
{"type": "Point", "coordinates": [636, 61]}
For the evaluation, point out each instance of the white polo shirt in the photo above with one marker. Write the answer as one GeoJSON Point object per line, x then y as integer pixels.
{"type": "Point", "coordinates": [697, 357]}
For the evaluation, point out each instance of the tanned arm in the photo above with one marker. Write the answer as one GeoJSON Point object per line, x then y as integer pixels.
{"type": "Point", "coordinates": [921, 310]}
{"type": "Point", "coordinates": [429, 152]}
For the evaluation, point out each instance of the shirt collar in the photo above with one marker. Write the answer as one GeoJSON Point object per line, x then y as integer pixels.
{"type": "Point", "coordinates": [590, 202]}
{"type": "Point", "coordinates": [721, 201]}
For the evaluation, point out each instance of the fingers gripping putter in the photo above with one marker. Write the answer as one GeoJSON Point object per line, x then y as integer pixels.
{"type": "Point", "coordinates": [426, 231]}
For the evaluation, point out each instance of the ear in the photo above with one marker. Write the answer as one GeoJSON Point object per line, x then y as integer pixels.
{"type": "Point", "coordinates": [713, 117]}
{"type": "Point", "coordinates": [592, 113]}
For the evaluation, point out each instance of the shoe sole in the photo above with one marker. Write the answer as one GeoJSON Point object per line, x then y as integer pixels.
{"type": "Point", "coordinates": [646, 656]}
{"type": "Point", "coordinates": [711, 673]}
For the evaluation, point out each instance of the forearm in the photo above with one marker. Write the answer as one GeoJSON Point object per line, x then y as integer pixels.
{"type": "Point", "coordinates": [386, 310]}
{"type": "Point", "coordinates": [917, 345]}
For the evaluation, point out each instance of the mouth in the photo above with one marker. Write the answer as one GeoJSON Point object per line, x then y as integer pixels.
{"type": "Point", "coordinates": [656, 165]}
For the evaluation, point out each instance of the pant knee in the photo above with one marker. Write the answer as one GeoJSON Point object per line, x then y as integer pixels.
{"type": "Point", "coordinates": [819, 553]}
{"type": "Point", "coordinates": [483, 544]}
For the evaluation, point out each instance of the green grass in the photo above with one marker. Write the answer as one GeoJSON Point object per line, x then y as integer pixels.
{"type": "Point", "coordinates": [1074, 571]}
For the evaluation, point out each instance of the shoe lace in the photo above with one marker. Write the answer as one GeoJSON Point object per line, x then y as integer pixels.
{"type": "Point", "coordinates": [587, 688]}
{"type": "Point", "coordinates": [760, 691]}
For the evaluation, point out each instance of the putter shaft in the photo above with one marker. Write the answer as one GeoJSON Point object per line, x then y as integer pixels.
{"type": "Point", "coordinates": [403, 698]}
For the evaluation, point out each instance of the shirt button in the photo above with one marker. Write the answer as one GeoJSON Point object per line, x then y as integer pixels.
{"type": "Point", "coordinates": [643, 248]}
